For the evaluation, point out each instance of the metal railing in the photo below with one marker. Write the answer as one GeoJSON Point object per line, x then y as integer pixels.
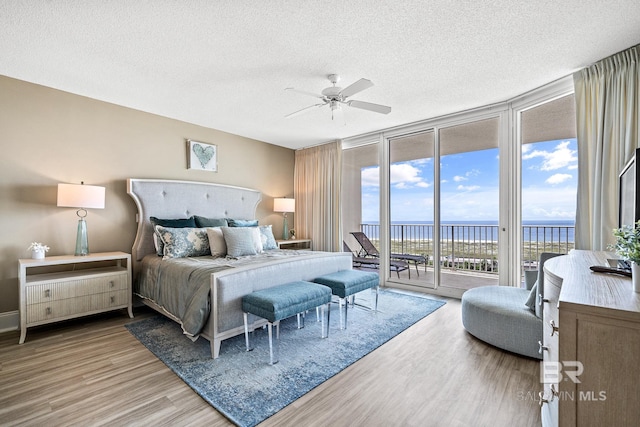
{"type": "Point", "coordinates": [473, 247]}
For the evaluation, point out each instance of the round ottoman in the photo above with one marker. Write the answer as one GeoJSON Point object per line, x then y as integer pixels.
{"type": "Point", "coordinates": [498, 315]}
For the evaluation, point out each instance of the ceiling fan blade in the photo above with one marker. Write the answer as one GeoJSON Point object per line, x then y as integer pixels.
{"type": "Point", "coordinates": [305, 109]}
{"type": "Point", "coordinates": [302, 92]}
{"type": "Point", "coordinates": [356, 87]}
{"type": "Point", "coordinates": [370, 106]}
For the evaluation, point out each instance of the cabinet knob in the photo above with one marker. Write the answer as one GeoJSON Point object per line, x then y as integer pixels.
{"type": "Point", "coordinates": [111, 284]}
{"type": "Point", "coordinates": [113, 299]}
{"type": "Point", "coordinates": [48, 311]}
{"type": "Point", "coordinates": [47, 293]}
{"type": "Point", "coordinates": [554, 328]}
{"type": "Point", "coordinates": [541, 347]}
{"type": "Point", "coordinates": [542, 400]}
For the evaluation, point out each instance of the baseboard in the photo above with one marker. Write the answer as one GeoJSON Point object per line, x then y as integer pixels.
{"type": "Point", "coordinates": [9, 321]}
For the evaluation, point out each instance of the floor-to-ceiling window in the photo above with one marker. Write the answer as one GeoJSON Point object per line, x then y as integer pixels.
{"type": "Point", "coordinates": [549, 171]}
{"type": "Point", "coordinates": [459, 190]}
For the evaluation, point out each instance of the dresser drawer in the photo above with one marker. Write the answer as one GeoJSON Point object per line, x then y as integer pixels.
{"type": "Point", "coordinates": [57, 309]}
{"type": "Point", "coordinates": [109, 300]}
{"type": "Point", "coordinates": [55, 290]}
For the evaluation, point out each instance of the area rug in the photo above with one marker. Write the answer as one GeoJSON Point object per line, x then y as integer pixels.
{"type": "Point", "coordinates": [245, 388]}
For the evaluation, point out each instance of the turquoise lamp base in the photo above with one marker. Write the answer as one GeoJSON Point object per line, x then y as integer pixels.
{"type": "Point", "coordinates": [82, 242]}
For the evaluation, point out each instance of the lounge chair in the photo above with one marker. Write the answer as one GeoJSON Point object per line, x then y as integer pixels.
{"type": "Point", "coordinates": [369, 250]}
{"type": "Point", "coordinates": [363, 262]}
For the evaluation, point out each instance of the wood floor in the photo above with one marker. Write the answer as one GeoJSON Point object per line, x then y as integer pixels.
{"type": "Point", "coordinates": [93, 372]}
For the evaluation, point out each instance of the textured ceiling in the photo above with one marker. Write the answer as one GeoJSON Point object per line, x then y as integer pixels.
{"type": "Point", "coordinates": [225, 64]}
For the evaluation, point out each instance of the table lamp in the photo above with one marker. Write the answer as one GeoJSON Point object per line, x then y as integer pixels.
{"type": "Point", "coordinates": [284, 205]}
{"type": "Point", "coordinates": [82, 197]}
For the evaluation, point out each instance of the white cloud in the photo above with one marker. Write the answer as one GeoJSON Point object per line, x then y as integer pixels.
{"type": "Point", "coordinates": [401, 175]}
{"type": "Point", "coordinates": [559, 158]}
{"type": "Point", "coordinates": [558, 178]}
{"type": "Point", "coordinates": [468, 187]}
{"type": "Point", "coordinates": [371, 177]}
{"type": "Point", "coordinates": [459, 178]}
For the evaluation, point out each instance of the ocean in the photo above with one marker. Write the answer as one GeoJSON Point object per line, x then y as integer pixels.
{"type": "Point", "coordinates": [533, 230]}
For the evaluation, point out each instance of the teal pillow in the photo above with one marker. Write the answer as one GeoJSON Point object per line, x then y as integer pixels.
{"type": "Point", "coordinates": [202, 222]}
{"type": "Point", "coordinates": [242, 222]}
{"type": "Point", "coordinates": [183, 242]}
{"type": "Point", "coordinates": [172, 223]}
{"type": "Point", "coordinates": [266, 235]}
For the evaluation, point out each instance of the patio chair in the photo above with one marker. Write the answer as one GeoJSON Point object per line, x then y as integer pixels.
{"type": "Point", "coordinates": [363, 262]}
{"type": "Point", "coordinates": [369, 250]}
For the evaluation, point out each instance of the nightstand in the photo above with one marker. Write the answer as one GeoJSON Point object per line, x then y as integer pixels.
{"type": "Point", "coordinates": [63, 287]}
{"type": "Point", "coordinates": [299, 244]}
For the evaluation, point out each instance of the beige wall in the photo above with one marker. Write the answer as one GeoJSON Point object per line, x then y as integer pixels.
{"type": "Point", "coordinates": [49, 137]}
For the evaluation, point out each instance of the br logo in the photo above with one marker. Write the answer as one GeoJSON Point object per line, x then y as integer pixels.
{"type": "Point", "coordinates": [555, 372]}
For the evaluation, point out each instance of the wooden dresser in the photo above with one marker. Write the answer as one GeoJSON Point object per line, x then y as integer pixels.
{"type": "Point", "coordinates": [591, 349]}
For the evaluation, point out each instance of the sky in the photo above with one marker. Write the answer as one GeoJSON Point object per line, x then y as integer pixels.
{"type": "Point", "coordinates": [469, 185]}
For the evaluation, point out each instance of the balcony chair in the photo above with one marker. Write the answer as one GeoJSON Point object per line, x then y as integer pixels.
{"type": "Point", "coordinates": [363, 262]}
{"type": "Point", "coordinates": [369, 250]}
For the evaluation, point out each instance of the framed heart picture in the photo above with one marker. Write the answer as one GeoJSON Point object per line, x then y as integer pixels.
{"type": "Point", "coordinates": [202, 156]}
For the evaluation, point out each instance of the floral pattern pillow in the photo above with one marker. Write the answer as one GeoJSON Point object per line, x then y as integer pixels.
{"type": "Point", "coordinates": [266, 235]}
{"type": "Point", "coordinates": [183, 242]}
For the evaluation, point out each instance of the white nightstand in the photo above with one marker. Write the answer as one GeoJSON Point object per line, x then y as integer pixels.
{"type": "Point", "coordinates": [67, 292]}
{"type": "Point", "coordinates": [299, 244]}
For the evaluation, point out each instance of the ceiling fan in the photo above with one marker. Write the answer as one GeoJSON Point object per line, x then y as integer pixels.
{"type": "Point", "coordinates": [335, 96]}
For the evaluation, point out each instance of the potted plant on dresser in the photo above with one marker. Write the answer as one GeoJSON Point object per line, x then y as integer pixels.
{"type": "Point", "coordinates": [627, 246]}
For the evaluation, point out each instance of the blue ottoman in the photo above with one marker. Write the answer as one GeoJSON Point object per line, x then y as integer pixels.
{"type": "Point", "coordinates": [280, 302]}
{"type": "Point", "coordinates": [347, 283]}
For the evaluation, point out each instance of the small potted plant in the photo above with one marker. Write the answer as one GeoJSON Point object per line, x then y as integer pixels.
{"type": "Point", "coordinates": [627, 246]}
{"type": "Point", "coordinates": [37, 250]}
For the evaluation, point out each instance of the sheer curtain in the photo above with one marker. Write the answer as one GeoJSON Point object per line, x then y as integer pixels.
{"type": "Point", "coordinates": [316, 189]}
{"type": "Point", "coordinates": [607, 110]}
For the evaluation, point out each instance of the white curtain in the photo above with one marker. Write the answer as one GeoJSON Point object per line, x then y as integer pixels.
{"type": "Point", "coordinates": [317, 192]}
{"type": "Point", "coordinates": [608, 111]}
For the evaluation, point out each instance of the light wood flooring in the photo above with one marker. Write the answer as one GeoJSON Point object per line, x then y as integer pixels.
{"type": "Point", "coordinates": [92, 371]}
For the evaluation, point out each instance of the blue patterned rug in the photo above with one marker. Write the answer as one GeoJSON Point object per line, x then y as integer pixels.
{"type": "Point", "coordinates": [245, 388]}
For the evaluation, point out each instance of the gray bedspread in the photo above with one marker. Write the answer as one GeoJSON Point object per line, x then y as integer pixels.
{"type": "Point", "coordinates": [181, 286]}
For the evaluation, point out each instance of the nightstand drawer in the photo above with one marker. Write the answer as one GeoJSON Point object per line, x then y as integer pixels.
{"type": "Point", "coordinates": [109, 300]}
{"type": "Point", "coordinates": [59, 290]}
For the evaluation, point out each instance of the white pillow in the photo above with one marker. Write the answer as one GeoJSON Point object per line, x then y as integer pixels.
{"type": "Point", "coordinates": [242, 241]}
{"type": "Point", "coordinates": [216, 242]}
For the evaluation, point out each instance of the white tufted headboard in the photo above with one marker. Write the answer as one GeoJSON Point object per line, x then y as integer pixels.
{"type": "Point", "coordinates": [182, 199]}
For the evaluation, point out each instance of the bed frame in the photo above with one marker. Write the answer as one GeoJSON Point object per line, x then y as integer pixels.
{"type": "Point", "coordinates": [182, 199]}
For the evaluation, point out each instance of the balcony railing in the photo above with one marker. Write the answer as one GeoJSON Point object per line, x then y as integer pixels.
{"type": "Point", "coordinates": [473, 247]}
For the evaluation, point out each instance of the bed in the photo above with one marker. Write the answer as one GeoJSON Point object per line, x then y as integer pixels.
{"type": "Point", "coordinates": [226, 280]}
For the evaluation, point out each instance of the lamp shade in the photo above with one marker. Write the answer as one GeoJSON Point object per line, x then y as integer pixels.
{"type": "Point", "coordinates": [80, 196]}
{"type": "Point", "coordinates": [284, 205]}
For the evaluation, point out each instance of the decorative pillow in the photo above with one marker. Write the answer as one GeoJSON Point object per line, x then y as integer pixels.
{"type": "Point", "coordinates": [216, 241]}
{"type": "Point", "coordinates": [242, 222]}
{"type": "Point", "coordinates": [266, 237]}
{"type": "Point", "coordinates": [183, 242]}
{"type": "Point", "coordinates": [533, 298]}
{"type": "Point", "coordinates": [172, 223]}
{"type": "Point", "coordinates": [210, 222]}
{"type": "Point", "coordinates": [242, 241]}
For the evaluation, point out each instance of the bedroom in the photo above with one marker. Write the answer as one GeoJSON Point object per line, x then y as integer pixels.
{"type": "Point", "coordinates": [50, 136]}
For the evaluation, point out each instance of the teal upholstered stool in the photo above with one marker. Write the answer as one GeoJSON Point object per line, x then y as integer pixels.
{"type": "Point", "coordinates": [281, 302]}
{"type": "Point", "coordinates": [346, 283]}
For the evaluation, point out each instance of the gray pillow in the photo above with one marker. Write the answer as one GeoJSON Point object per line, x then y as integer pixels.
{"type": "Point", "coordinates": [242, 241]}
{"type": "Point", "coordinates": [202, 222]}
{"type": "Point", "coordinates": [533, 298]}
